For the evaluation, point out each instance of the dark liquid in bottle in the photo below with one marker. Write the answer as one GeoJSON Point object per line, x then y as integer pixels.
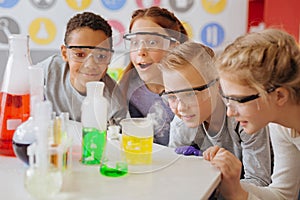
{"type": "Point", "coordinates": [14, 110]}
{"type": "Point", "coordinates": [21, 151]}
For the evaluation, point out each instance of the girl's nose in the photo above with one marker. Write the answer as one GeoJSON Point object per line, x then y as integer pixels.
{"type": "Point", "coordinates": [142, 49]}
{"type": "Point", "coordinates": [181, 106]}
{"type": "Point", "coordinates": [231, 111]}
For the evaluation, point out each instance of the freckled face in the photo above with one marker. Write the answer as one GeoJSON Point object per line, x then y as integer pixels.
{"type": "Point", "coordinates": [145, 60]}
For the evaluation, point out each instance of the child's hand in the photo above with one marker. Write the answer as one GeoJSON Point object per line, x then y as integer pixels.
{"type": "Point", "coordinates": [230, 167]}
{"type": "Point", "coordinates": [188, 150]}
{"type": "Point", "coordinates": [210, 153]}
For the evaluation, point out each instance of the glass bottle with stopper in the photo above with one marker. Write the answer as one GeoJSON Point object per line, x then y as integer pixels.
{"type": "Point", "coordinates": [94, 123]}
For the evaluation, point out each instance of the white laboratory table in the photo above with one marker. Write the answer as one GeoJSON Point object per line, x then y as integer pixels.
{"type": "Point", "coordinates": [170, 176]}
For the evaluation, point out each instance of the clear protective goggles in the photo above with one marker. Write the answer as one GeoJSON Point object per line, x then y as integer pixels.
{"type": "Point", "coordinates": [190, 96]}
{"type": "Point", "coordinates": [237, 103]}
{"type": "Point", "coordinates": [148, 40]}
{"type": "Point", "coordinates": [82, 53]}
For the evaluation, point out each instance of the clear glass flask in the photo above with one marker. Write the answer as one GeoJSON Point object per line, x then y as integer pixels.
{"type": "Point", "coordinates": [42, 179]}
{"type": "Point", "coordinates": [113, 163]}
{"type": "Point", "coordinates": [24, 135]}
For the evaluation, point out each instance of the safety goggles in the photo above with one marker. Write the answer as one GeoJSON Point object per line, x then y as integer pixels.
{"type": "Point", "coordinates": [82, 53]}
{"type": "Point", "coordinates": [148, 40]}
{"type": "Point", "coordinates": [190, 96]}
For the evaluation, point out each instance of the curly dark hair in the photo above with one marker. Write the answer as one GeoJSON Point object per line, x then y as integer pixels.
{"type": "Point", "coordinates": [90, 20]}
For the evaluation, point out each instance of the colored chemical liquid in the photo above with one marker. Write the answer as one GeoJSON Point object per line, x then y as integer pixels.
{"type": "Point", "coordinates": [14, 110]}
{"type": "Point", "coordinates": [120, 169]}
{"type": "Point", "coordinates": [59, 159]}
{"type": "Point", "coordinates": [138, 150]}
{"type": "Point", "coordinates": [93, 145]}
{"type": "Point", "coordinates": [21, 151]}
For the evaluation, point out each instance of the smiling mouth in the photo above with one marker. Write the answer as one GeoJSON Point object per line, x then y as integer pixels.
{"type": "Point", "coordinates": [90, 74]}
{"type": "Point", "coordinates": [242, 123]}
{"type": "Point", "coordinates": [144, 66]}
{"type": "Point", "coordinates": [187, 117]}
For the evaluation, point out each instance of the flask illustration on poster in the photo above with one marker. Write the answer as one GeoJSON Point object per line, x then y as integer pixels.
{"type": "Point", "coordinates": [43, 4]}
{"type": "Point", "coordinates": [42, 33]}
{"type": "Point", "coordinates": [8, 26]}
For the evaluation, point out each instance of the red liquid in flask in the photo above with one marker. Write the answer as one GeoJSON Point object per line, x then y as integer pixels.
{"type": "Point", "coordinates": [14, 110]}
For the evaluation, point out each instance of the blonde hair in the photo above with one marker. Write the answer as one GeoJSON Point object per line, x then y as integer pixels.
{"type": "Point", "coordinates": [199, 56]}
{"type": "Point", "coordinates": [264, 60]}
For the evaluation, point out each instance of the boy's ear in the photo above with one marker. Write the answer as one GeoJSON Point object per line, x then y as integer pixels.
{"type": "Point", "coordinates": [282, 96]}
{"type": "Point", "coordinates": [63, 51]}
{"type": "Point", "coordinates": [177, 43]}
{"type": "Point", "coordinates": [174, 44]}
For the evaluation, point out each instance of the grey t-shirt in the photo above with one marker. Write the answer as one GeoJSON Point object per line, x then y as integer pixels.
{"type": "Point", "coordinates": [65, 98]}
{"type": "Point", "coordinates": [253, 150]}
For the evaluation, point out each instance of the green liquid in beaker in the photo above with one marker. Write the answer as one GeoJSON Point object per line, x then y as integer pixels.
{"type": "Point", "coordinates": [120, 170]}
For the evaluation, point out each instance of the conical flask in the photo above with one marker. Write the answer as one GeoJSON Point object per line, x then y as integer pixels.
{"type": "Point", "coordinates": [14, 96]}
{"type": "Point", "coordinates": [113, 163]}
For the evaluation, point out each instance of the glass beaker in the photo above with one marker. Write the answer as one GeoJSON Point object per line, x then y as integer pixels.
{"type": "Point", "coordinates": [14, 96]}
{"type": "Point", "coordinates": [137, 140]}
